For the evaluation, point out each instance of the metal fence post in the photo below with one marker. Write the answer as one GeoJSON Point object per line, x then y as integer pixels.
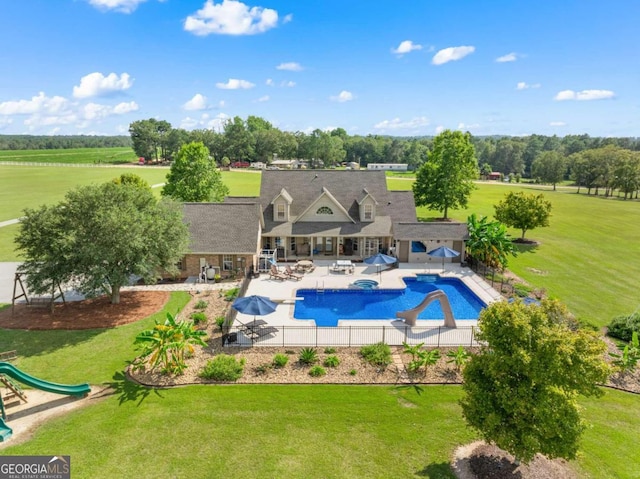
{"type": "Point", "coordinates": [439, 332]}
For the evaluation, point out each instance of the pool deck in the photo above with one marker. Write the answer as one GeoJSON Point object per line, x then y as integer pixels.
{"type": "Point", "coordinates": [284, 291]}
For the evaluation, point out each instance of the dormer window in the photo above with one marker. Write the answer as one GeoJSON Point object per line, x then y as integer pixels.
{"type": "Point", "coordinates": [324, 210]}
{"type": "Point", "coordinates": [368, 212]}
{"type": "Point", "coordinates": [280, 212]}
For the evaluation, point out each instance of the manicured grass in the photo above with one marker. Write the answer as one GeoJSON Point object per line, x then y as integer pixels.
{"type": "Point", "coordinates": [31, 186]}
{"type": "Point", "coordinates": [587, 255]}
{"type": "Point", "coordinates": [610, 447]}
{"type": "Point", "coordinates": [300, 431]}
{"type": "Point", "coordinates": [116, 155]}
{"type": "Point", "coordinates": [91, 355]}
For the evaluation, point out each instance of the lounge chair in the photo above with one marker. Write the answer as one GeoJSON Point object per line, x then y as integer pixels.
{"type": "Point", "coordinates": [276, 274]}
{"type": "Point", "coordinates": [292, 274]}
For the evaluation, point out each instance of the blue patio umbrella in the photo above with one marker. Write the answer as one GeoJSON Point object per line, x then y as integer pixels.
{"type": "Point", "coordinates": [443, 252]}
{"type": "Point", "coordinates": [254, 305]}
{"type": "Point", "coordinates": [380, 259]}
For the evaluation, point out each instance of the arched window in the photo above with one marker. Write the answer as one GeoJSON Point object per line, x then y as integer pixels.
{"type": "Point", "coordinates": [324, 210]}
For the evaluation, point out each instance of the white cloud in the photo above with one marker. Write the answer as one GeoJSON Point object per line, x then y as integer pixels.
{"type": "Point", "coordinates": [406, 46]}
{"type": "Point", "coordinates": [397, 124]}
{"type": "Point", "coordinates": [96, 84]}
{"type": "Point", "coordinates": [439, 129]}
{"type": "Point", "coordinates": [123, 6]}
{"type": "Point", "coordinates": [557, 123]}
{"type": "Point", "coordinates": [287, 18]}
{"type": "Point", "coordinates": [37, 105]}
{"type": "Point", "coordinates": [96, 111]}
{"type": "Point", "coordinates": [205, 121]}
{"type": "Point", "coordinates": [125, 107]}
{"type": "Point", "coordinates": [269, 82]}
{"type": "Point", "coordinates": [5, 122]}
{"type": "Point", "coordinates": [198, 102]}
{"type": "Point", "coordinates": [235, 84]}
{"type": "Point", "coordinates": [288, 84]}
{"type": "Point", "coordinates": [584, 95]}
{"type": "Point", "coordinates": [463, 126]}
{"type": "Point", "coordinates": [525, 86]}
{"type": "Point", "coordinates": [290, 66]}
{"type": "Point", "coordinates": [262, 99]}
{"type": "Point", "coordinates": [343, 96]}
{"type": "Point", "coordinates": [509, 57]}
{"type": "Point", "coordinates": [452, 54]}
{"type": "Point", "coordinates": [231, 17]}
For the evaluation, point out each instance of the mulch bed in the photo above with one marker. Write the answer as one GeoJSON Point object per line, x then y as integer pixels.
{"type": "Point", "coordinates": [88, 314]}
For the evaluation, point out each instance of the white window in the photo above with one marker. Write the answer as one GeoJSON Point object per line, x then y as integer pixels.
{"type": "Point", "coordinates": [280, 209]}
{"type": "Point", "coordinates": [368, 212]}
{"type": "Point", "coordinates": [324, 210]}
{"type": "Point", "coordinates": [227, 262]}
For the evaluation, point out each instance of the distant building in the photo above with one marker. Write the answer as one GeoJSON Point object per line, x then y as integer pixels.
{"type": "Point", "coordinates": [388, 166]}
{"type": "Point", "coordinates": [494, 175]}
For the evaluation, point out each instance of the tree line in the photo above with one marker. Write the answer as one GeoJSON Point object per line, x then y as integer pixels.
{"type": "Point", "coordinates": [59, 142]}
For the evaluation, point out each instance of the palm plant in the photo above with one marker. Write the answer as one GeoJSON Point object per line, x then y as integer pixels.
{"type": "Point", "coordinates": [167, 345]}
{"type": "Point", "coordinates": [459, 357]}
{"type": "Point", "coordinates": [415, 351]}
{"type": "Point", "coordinates": [489, 241]}
{"type": "Point", "coordinates": [429, 358]}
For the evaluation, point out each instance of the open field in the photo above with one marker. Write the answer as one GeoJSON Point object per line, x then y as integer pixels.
{"type": "Point", "coordinates": [114, 156]}
{"type": "Point", "coordinates": [296, 431]}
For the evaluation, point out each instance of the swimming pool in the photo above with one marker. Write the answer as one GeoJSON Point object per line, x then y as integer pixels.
{"type": "Point", "coordinates": [327, 307]}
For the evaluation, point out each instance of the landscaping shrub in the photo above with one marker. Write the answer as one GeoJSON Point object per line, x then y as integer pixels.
{"type": "Point", "coordinates": [329, 350]}
{"type": "Point", "coordinates": [199, 317]}
{"type": "Point", "coordinates": [263, 368]}
{"type": "Point", "coordinates": [628, 360]}
{"type": "Point", "coordinates": [317, 371]}
{"type": "Point", "coordinates": [220, 321]}
{"type": "Point", "coordinates": [231, 294]}
{"type": "Point", "coordinates": [308, 356]}
{"type": "Point", "coordinates": [353, 372]}
{"type": "Point", "coordinates": [280, 360]}
{"type": "Point", "coordinates": [622, 327]}
{"type": "Point", "coordinates": [223, 367]}
{"type": "Point", "coordinates": [378, 354]}
{"type": "Point", "coordinates": [331, 361]}
{"type": "Point", "coordinates": [522, 290]}
{"type": "Point", "coordinates": [202, 304]}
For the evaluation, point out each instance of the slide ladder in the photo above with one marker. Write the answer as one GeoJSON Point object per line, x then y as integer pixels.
{"type": "Point", "coordinates": [16, 390]}
{"type": "Point", "coordinates": [410, 316]}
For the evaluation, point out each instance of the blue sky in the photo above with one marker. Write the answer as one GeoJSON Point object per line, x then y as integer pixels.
{"type": "Point", "coordinates": [409, 67]}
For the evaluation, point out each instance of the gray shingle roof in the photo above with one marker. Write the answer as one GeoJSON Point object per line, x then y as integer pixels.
{"type": "Point", "coordinates": [432, 230]}
{"type": "Point", "coordinates": [223, 228]}
{"type": "Point", "coordinates": [347, 187]}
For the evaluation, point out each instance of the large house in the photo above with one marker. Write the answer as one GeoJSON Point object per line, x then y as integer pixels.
{"type": "Point", "coordinates": [317, 214]}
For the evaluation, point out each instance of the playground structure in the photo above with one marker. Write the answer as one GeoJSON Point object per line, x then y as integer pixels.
{"type": "Point", "coordinates": [36, 301]}
{"type": "Point", "coordinates": [410, 316]}
{"type": "Point", "coordinates": [11, 376]}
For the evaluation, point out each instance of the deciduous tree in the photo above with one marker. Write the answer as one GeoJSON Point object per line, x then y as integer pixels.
{"type": "Point", "coordinates": [523, 211]}
{"type": "Point", "coordinates": [98, 237]}
{"type": "Point", "coordinates": [445, 180]}
{"type": "Point", "coordinates": [521, 390]}
{"type": "Point", "coordinates": [194, 176]}
{"type": "Point", "coordinates": [549, 167]}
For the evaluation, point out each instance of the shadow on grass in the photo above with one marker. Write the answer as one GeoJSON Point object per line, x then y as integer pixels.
{"type": "Point", "coordinates": [416, 387]}
{"type": "Point", "coordinates": [127, 390]}
{"type": "Point", "coordinates": [40, 342]}
{"type": "Point", "coordinates": [526, 247]}
{"type": "Point", "coordinates": [438, 470]}
{"type": "Point", "coordinates": [4, 306]}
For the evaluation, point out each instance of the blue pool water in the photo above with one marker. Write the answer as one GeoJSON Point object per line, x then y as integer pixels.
{"type": "Point", "coordinates": [327, 307]}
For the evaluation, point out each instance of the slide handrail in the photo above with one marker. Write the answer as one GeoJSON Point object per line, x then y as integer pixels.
{"type": "Point", "coordinates": [410, 316]}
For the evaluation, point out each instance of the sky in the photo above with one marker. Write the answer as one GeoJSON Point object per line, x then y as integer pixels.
{"type": "Point", "coordinates": [402, 68]}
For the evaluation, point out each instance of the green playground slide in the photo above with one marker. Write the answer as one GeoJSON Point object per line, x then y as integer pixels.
{"type": "Point", "coordinates": [5, 431]}
{"type": "Point", "coordinates": [13, 372]}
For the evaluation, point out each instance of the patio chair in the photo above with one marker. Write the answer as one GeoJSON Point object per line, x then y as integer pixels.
{"type": "Point", "coordinates": [248, 328]}
{"type": "Point", "coordinates": [292, 274]}
{"type": "Point", "coordinates": [276, 274]}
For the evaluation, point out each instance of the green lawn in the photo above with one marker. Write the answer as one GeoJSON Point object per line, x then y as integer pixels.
{"type": "Point", "coordinates": [586, 257]}
{"type": "Point", "coordinates": [116, 155]}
